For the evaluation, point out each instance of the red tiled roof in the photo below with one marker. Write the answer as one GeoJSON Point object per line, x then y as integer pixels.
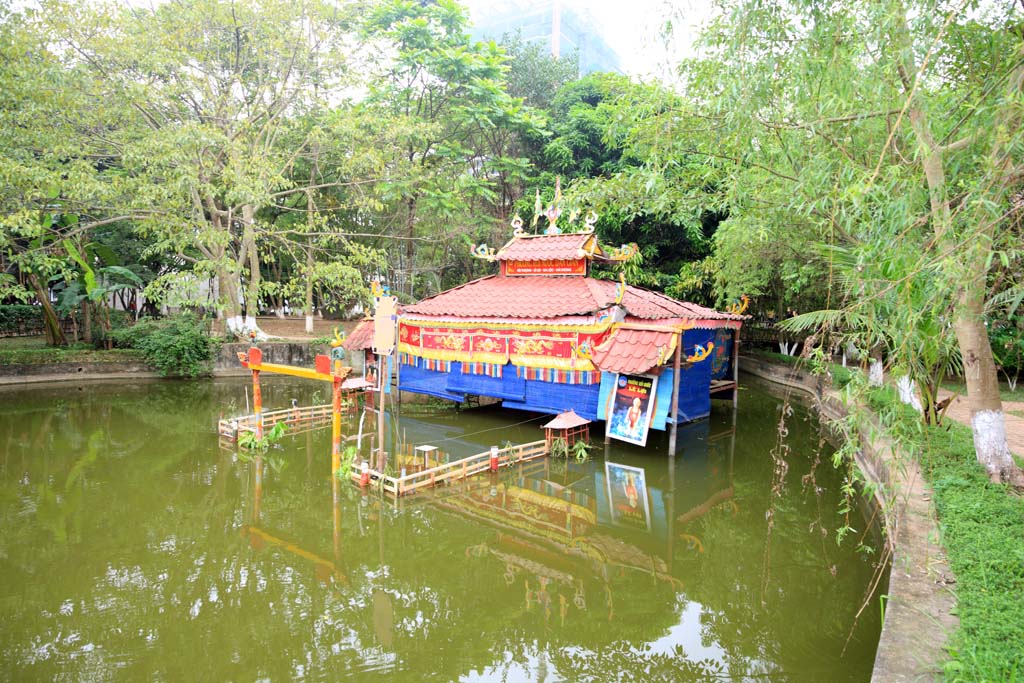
{"type": "Point", "coordinates": [361, 338]}
{"type": "Point", "coordinates": [530, 296]}
{"type": "Point", "coordinates": [566, 420]}
{"type": "Point", "coordinates": [541, 247]}
{"type": "Point", "coordinates": [634, 351]}
{"type": "Point", "coordinates": [543, 296]}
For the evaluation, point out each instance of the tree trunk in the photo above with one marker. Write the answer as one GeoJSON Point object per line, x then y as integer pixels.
{"type": "Point", "coordinates": [310, 224]}
{"type": "Point", "coordinates": [908, 393]}
{"type": "Point", "coordinates": [410, 245]}
{"type": "Point", "coordinates": [231, 309]}
{"type": "Point", "coordinates": [988, 422]}
{"type": "Point", "coordinates": [252, 291]}
{"type": "Point", "coordinates": [309, 288]}
{"type": "Point", "coordinates": [51, 323]}
{"type": "Point", "coordinates": [86, 321]}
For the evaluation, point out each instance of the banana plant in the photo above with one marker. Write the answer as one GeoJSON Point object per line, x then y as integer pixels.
{"type": "Point", "coordinates": [99, 285]}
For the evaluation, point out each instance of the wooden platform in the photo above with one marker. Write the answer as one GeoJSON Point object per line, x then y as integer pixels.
{"type": "Point", "coordinates": [453, 471]}
{"type": "Point", "coordinates": [718, 385]}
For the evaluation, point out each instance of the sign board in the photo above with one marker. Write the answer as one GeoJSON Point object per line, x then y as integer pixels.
{"type": "Point", "coordinates": [547, 267]}
{"type": "Point", "coordinates": [385, 319]}
{"type": "Point", "coordinates": [627, 496]}
{"type": "Point", "coordinates": [632, 408]}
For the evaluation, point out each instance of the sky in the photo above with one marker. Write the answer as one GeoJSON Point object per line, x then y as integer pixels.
{"type": "Point", "coordinates": [633, 28]}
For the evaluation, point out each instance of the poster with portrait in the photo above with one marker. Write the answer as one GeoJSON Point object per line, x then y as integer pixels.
{"type": "Point", "coordinates": [627, 496]}
{"type": "Point", "coordinates": [632, 408]}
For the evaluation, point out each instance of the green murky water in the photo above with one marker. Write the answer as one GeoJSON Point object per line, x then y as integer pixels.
{"type": "Point", "coordinates": [134, 548]}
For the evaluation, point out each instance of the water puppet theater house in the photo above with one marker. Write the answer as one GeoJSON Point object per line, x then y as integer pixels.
{"type": "Point", "coordinates": [542, 335]}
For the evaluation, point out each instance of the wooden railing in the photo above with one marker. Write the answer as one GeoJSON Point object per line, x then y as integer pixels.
{"type": "Point", "coordinates": [453, 471]}
{"type": "Point", "coordinates": [301, 418]}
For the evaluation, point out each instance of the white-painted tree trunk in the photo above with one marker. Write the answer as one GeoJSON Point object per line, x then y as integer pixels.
{"type": "Point", "coordinates": [990, 444]}
{"type": "Point", "coordinates": [309, 324]}
{"type": "Point", "coordinates": [244, 327]}
{"type": "Point", "coordinates": [875, 372]}
{"type": "Point", "coordinates": [908, 393]}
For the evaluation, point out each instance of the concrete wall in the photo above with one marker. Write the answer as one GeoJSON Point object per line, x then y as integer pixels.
{"type": "Point", "coordinates": [284, 353]}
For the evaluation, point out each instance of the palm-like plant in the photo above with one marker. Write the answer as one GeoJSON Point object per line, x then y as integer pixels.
{"type": "Point", "coordinates": [893, 300]}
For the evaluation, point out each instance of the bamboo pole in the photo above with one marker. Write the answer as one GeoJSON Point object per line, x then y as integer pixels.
{"type": "Point", "coordinates": [380, 412]}
{"type": "Point", "coordinates": [676, 364]}
{"type": "Point", "coordinates": [736, 369]}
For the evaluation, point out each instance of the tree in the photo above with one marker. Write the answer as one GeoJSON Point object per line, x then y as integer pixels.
{"type": "Point", "coordinates": [201, 94]}
{"type": "Point", "coordinates": [442, 100]}
{"type": "Point", "coordinates": [534, 74]}
{"type": "Point", "coordinates": [847, 124]}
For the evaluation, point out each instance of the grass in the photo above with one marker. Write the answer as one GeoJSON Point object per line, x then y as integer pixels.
{"type": "Point", "coordinates": [982, 528]}
{"type": "Point", "coordinates": [34, 351]}
{"type": "Point", "coordinates": [956, 385]}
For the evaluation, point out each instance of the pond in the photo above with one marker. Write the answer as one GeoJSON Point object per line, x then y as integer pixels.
{"type": "Point", "coordinates": [134, 547]}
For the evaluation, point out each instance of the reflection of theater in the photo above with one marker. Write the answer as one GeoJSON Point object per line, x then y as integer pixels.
{"type": "Point", "coordinates": [552, 528]}
{"type": "Point", "coordinates": [542, 335]}
{"type": "Point", "coordinates": [556, 521]}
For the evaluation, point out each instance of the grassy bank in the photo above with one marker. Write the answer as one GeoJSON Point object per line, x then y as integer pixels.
{"type": "Point", "coordinates": [982, 527]}
{"type": "Point", "coordinates": [34, 351]}
{"type": "Point", "coordinates": [983, 531]}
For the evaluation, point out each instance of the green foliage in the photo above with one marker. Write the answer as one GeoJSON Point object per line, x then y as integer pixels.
{"type": "Point", "coordinates": [580, 450]}
{"type": "Point", "coordinates": [1007, 339]}
{"type": "Point", "coordinates": [559, 448]}
{"type": "Point", "coordinates": [20, 318]}
{"type": "Point", "coordinates": [348, 459]}
{"type": "Point", "coordinates": [179, 346]}
{"type": "Point", "coordinates": [534, 74]}
{"type": "Point", "coordinates": [260, 445]}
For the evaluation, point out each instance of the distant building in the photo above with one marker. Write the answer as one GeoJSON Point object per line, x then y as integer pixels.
{"type": "Point", "coordinates": [563, 26]}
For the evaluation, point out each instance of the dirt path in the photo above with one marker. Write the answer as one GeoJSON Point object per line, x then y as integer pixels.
{"type": "Point", "coordinates": [1014, 425]}
{"type": "Point", "coordinates": [294, 327]}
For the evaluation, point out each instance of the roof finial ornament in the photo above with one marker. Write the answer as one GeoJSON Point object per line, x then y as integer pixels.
{"type": "Point", "coordinates": [482, 251]}
{"type": "Point", "coordinates": [517, 226]}
{"type": "Point", "coordinates": [555, 210]}
{"type": "Point", "coordinates": [538, 209]}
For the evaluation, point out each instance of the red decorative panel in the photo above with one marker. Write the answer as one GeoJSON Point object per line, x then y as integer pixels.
{"type": "Point", "coordinates": [546, 267]}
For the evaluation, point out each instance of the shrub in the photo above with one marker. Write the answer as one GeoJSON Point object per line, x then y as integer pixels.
{"type": "Point", "coordinates": [180, 346]}
{"type": "Point", "coordinates": [20, 318]}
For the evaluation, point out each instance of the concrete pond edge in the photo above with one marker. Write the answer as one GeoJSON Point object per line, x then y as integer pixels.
{"type": "Point", "coordinates": [919, 605]}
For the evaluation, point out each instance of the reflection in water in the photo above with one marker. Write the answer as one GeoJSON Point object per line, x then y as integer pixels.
{"type": "Point", "coordinates": [131, 543]}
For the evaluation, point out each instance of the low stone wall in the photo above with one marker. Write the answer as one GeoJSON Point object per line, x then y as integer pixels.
{"type": "Point", "coordinates": [225, 365]}
{"type": "Point", "coordinates": [65, 372]}
{"type": "Point", "coordinates": [285, 353]}
{"type": "Point", "coordinates": [918, 618]}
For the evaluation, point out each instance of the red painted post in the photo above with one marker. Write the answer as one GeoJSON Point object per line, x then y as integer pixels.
{"type": "Point", "coordinates": [494, 458]}
{"type": "Point", "coordinates": [257, 403]}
